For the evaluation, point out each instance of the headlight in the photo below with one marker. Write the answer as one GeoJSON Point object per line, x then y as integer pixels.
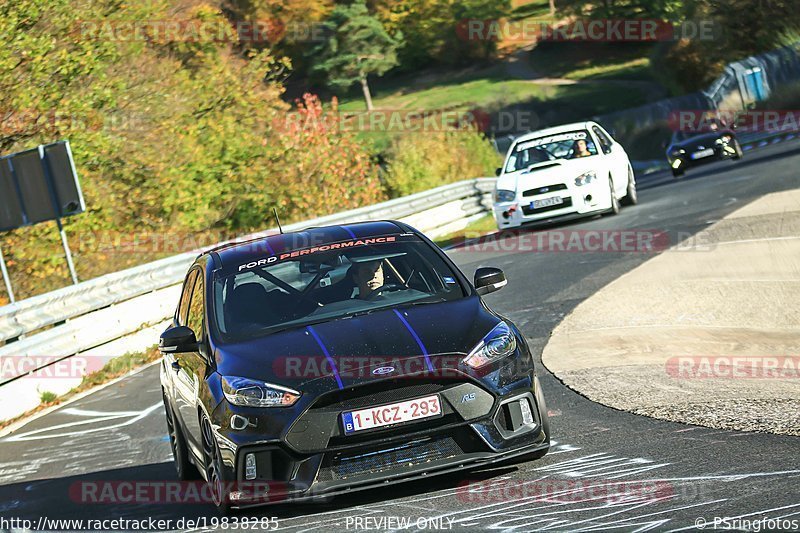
{"type": "Point", "coordinates": [585, 178]}
{"type": "Point", "coordinates": [725, 139]}
{"type": "Point", "coordinates": [675, 152]}
{"type": "Point", "coordinates": [501, 195]}
{"type": "Point", "coordinates": [499, 343]}
{"type": "Point", "coordinates": [251, 393]}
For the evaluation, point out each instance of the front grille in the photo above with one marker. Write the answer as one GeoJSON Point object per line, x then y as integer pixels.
{"type": "Point", "coordinates": [544, 190]}
{"type": "Point", "coordinates": [395, 458]}
{"type": "Point", "coordinates": [377, 394]}
{"type": "Point", "coordinates": [526, 209]}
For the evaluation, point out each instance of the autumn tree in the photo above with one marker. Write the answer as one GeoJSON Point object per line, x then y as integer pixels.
{"type": "Point", "coordinates": [358, 46]}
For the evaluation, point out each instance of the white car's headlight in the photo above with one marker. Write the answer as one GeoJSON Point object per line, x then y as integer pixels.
{"type": "Point", "coordinates": [585, 178]}
{"type": "Point", "coordinates": [501, 195]}
{"type": "Point", "coordinates": [251, 393]}
{"type": "Point", "coordinates": [497, 344]}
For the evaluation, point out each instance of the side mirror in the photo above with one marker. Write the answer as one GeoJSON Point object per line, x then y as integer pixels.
{"type": "Point", "coordinates": [489, 279]}
{"type": "Point", "coordinates": [498, 171]}
{"type": "Point", "coordinates": [179, 339]}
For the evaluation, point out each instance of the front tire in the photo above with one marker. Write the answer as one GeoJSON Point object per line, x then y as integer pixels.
{"type": "Point", "coordinates": [214, 476]}
{"type": "Point", "coordinates": [631, 197]}
{"type": "Point", "coordinates": [614, 201]}
{"type": "Point", "coordinates": [677, 173]}
{"type": "Point", "coordinates": [184, 469]}
{"type": "Point", "coordinates": [739, 151]}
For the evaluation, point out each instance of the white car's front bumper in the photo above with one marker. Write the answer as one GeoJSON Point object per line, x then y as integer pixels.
{"type": "Point", "coordinates": [589, 199]}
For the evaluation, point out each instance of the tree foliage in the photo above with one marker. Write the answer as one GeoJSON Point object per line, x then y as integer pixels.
{"type": "Point", "coordinates": [358, 46]}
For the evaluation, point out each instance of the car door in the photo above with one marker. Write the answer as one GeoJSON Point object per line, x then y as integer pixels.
{"type": "Point", "coordinates": [191, 368]}
{"type": "Point", "coordinates": [180, 318]}
{"type": "Point", "coordinates": [616, 157]}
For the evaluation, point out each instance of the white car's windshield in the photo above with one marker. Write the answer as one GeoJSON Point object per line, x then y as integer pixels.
{"type": "Point", "coordinates": [566, 145]}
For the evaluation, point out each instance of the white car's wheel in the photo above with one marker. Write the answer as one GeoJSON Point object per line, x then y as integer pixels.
{"type": "Point", "coordinates": [614, 201]}
{"type": "Point", "coordinates": [631, 197]}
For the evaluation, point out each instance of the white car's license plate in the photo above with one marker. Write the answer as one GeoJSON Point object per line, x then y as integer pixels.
{"type": "Point", "coordinates": [546, 202]}
{"type": "Point", "coordinates": [394, 413]}
{"type": "Point", "coordinates": [703, 153]}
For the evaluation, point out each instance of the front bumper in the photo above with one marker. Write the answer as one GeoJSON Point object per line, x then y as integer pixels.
{"type": "Point", "coordinates": [576, 202]}
{"type": "Point", "coordinates": [313, 459]}
{"type": "Point", "coordinates": [684, 160]}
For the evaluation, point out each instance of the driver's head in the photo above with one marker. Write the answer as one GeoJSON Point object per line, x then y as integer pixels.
{"type": "Point", "coordinates": [368, 277]}
{"type": "Point", "coordinates": [580, 147]}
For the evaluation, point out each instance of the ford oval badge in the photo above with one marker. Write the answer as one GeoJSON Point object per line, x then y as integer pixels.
{"type": "Point", "coordinates": [382, 371]}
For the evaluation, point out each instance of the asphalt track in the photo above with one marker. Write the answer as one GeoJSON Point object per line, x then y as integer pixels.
{"type": "Point", "coordinates": [607, 469]}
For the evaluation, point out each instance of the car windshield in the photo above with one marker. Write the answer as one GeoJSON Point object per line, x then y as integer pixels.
{"type": "Point", "coordinates": [567, 145]}
{"type": "Point", "coordinates": [704, 129]}
{"type": "Point", "coordinates": [318, 286]}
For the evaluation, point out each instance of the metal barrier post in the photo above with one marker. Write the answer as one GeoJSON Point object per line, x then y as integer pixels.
{"type": "Point", "coordinates": [67, 252]}
{"type": "Point", "coordinates": [6, 277]}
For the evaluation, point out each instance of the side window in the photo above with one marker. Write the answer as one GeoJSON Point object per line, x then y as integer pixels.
{"type": "Point", "coordinates": [183, 306]}
{"type": "Point", "coordinates": [196, 308]}
{"type": "Point", "coordinates": [605, 141]}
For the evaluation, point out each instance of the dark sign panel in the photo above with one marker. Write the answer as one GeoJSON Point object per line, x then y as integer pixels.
{"type": "Point", "coordinates": [62, 169]}
{"type": "Point", "coordinates": [38, 185]}
{"type": "Point", "coordinates": [10, 208]}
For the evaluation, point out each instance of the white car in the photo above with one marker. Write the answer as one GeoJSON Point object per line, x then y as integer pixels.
{"type": "Point", "coordinates": [561, 173]}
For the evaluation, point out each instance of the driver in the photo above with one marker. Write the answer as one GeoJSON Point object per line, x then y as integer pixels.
{"type": "Point", "coordinates": [579, 149]}
{"type": "Point", "coordinates": [368, 277]}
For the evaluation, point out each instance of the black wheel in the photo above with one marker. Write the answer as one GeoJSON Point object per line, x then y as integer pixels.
{"type": "Point", "coordinates": [739, 151]}
{"type": "Point", "coordinates": [631, 197]}
{"type": "Point", "coordinates": [214, 477]}
{"type": "Point", "coordinates": [676, 173]}
{"type": "Point", "coordinates": [614, 201]}
{"type": "Point", "coordinates": [180, 452]}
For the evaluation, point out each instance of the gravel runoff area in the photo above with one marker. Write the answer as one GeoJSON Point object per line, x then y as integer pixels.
{"type": "Point", "coordinates": [706, 333]}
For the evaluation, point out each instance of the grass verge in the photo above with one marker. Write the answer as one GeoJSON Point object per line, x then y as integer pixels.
{"type": "Point", "coordinates": [480, 227]}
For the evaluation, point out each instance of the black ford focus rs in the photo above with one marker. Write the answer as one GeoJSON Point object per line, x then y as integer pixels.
{"type": "Point", "coordinates": [335, 359]}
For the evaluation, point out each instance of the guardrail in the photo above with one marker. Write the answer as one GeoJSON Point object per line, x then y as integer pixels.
{"type": "Point", "coordinates": [102, 315]}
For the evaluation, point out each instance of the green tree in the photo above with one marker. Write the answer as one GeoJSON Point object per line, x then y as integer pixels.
{"type": "Point", "coordinates": [358, 46]}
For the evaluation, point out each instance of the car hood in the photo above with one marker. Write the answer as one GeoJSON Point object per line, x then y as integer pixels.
{"type": "Point", "coordinates": [565, 171]}
{"type": "Point", "coordinates": [394, 337]}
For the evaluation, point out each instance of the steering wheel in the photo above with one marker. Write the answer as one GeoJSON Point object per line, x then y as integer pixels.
{"type": "Point", "coordinates": [384, 288]}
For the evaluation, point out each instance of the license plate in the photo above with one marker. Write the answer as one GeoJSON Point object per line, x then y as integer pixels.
{"type": "Point", "coordinates": [394, 413]}
{"type": "Point", "coordinates": [703, 153]}
{"type": "Point", "coordinates": [546, 202]}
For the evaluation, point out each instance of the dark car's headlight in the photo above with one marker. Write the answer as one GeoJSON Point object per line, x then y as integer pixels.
{"type": "Point", "coordinates": [501, 195]}
{"type": "Point", "coordinates": [725, 139]}
{"type": "Point", "coordinates": [251, 393]}
{"type": "Point", "coordinates": [585, 178]}
{"type": "Point", "coordinates": [675, 152]}
{"type": "Point", "coordinates": [497, 344]}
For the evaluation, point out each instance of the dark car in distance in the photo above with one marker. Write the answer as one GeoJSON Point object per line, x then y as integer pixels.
{"type": "Point", "coordinates": [691, 148]}
{"type": "Point", "coordinates": [309, 364]}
